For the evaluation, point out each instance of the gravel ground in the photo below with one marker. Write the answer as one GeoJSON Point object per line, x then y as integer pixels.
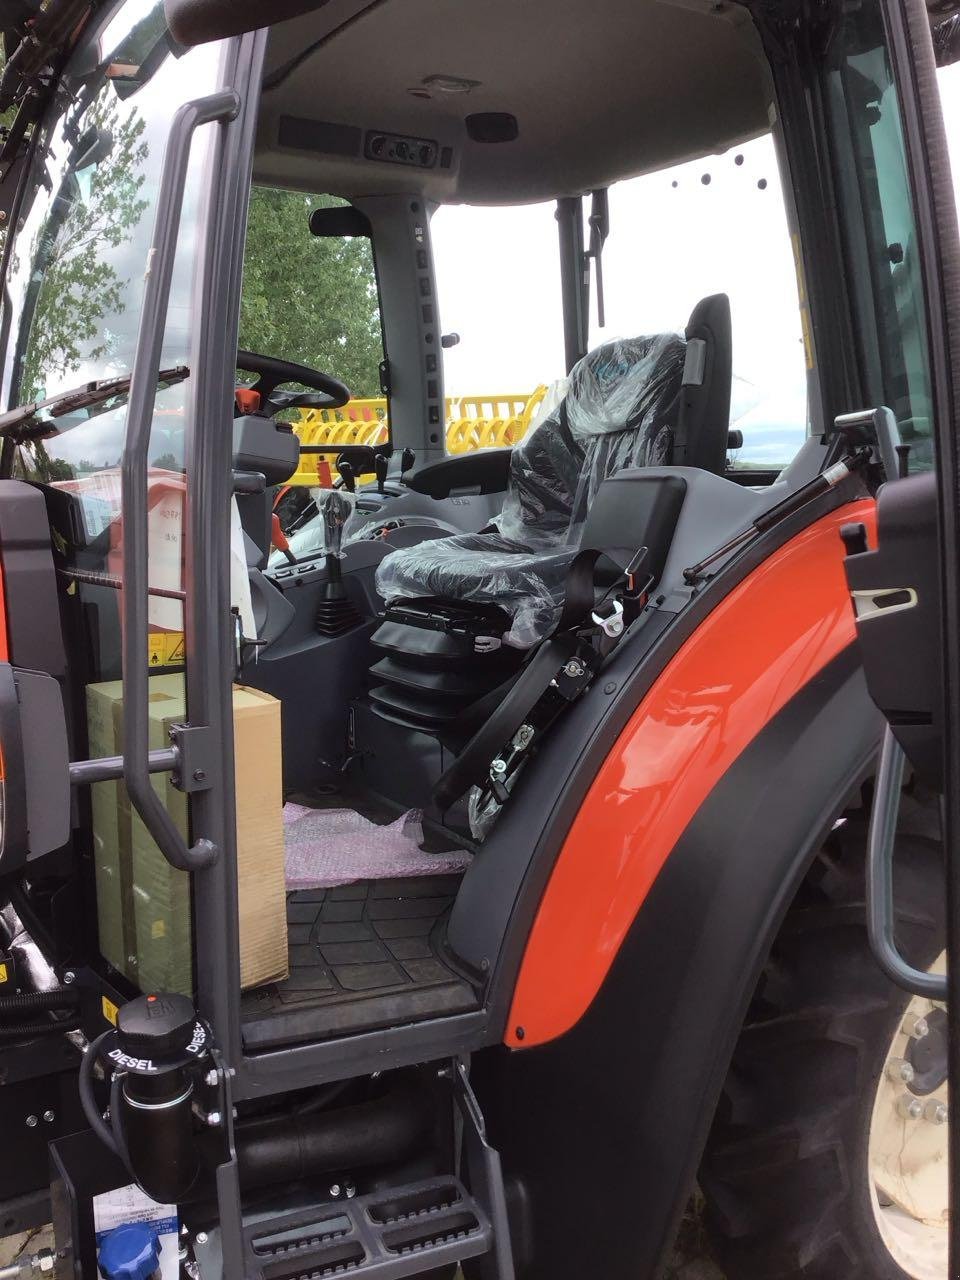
{"type": "Point", "coordinates": [13, 1248]}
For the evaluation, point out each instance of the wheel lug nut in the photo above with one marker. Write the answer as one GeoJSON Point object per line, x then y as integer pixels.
{"type": "Point", "coordinates": [936, 1112]}
{"type": "Point", "coordinates": [900, 1071]}
{"type": "Point", "coordinates": [916, 1026]}
{"type": "Point", "coordinates": [909, 1107]}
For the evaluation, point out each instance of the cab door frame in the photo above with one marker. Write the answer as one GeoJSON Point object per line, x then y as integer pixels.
{"type": "Point", "coordinates": [912, 56]}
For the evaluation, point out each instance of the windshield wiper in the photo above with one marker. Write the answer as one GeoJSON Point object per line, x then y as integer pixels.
{"type": "Point", "coordinates": [26, 423]}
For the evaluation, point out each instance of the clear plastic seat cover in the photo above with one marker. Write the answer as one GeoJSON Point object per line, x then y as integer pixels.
{"type": "Point", "coordinates": [619, 412]}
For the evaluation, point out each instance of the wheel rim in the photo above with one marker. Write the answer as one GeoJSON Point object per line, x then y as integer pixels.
{"type": "Point", "coordinates": [908, 1161]}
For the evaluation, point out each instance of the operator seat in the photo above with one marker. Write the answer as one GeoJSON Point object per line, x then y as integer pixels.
{"type": "Point", "coordinates": [462, 611]}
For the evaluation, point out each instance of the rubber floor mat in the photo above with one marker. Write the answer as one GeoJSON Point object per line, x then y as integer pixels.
{"type": "Point", "coordinates": [362, 956]}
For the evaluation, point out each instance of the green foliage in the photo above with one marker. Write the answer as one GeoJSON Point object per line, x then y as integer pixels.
{"type": "Point", "coordinates": [309, 299]}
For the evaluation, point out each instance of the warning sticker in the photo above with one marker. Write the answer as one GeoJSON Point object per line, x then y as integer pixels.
{"type": "Point", "coordinates": [110, 1010]}
{"type": "Point", "coordinates": [166, 648]}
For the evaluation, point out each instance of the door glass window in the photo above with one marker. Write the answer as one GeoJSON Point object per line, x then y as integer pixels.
{"type": "Point", "coordinates": [75, 282]}
{"type": "Point", "coordinates": [872, 175]}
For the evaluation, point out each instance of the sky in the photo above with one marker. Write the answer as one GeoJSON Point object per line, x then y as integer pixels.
{"type": "Point", "coordinates": [712, 225]}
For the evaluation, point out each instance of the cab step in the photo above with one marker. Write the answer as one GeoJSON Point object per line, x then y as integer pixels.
{"type": "Point", "coordinates": [404, 1231]}
{"type": "Point", "coordinates": [416, 1229]}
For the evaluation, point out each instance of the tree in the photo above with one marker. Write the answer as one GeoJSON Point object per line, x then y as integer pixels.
{"type": "Point", "coordinates": [80, 288]}
{"type": "Point", "coordinates": [309, 299]}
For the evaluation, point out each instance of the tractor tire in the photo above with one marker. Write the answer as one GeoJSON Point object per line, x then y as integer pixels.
{"type": "Point", "coordinates": [786, 1169]}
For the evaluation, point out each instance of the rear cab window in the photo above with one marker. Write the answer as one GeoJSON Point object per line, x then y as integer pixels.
{"type": "Point", "coordinates": [717, 225]}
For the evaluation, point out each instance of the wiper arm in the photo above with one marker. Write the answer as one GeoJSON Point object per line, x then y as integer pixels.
{"type": "Point", "coordinates": [25, 422]}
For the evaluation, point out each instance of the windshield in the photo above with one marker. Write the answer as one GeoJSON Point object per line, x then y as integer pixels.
{"type": "Point", "coordinates": [75, 275]}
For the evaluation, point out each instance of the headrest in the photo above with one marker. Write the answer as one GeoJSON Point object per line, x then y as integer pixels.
{"type": "Point", "coordinates": [625, 384]}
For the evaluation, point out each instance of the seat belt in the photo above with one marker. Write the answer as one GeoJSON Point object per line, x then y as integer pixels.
{"type": "Point", "coordinates": [556, 673]}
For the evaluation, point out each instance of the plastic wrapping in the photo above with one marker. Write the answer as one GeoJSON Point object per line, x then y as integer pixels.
{"type": "Point", "coordinates": [329, 847]}
{"type": "Point", "coordinates": [619, 412]}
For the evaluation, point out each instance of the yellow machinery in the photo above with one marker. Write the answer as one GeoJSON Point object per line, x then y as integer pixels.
{"type": "Point", "coordinates": [472, 422]}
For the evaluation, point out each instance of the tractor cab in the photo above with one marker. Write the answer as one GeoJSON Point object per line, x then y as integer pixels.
{"type": "Point", "coordinates": [426, 436]}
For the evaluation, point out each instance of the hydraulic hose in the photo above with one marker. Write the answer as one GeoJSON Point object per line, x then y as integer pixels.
{"type": "Point", "coordinates": [33, 1001]}
{"type": "Point", "coordinates": [25, 1030]}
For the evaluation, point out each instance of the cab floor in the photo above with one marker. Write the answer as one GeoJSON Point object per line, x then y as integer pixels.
{"type": "Point", "coordinates": [362, 956]}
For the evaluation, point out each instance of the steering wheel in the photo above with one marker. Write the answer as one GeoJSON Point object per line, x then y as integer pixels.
{"type": "Point", "coordinates": [272, 373]}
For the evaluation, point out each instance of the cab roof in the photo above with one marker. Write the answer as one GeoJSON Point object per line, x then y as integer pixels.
{"type": "Point", "coordinates": [499, 101]}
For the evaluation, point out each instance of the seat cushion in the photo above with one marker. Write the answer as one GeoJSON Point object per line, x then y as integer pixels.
{"type": "Point", "coordinates": [486, 568]}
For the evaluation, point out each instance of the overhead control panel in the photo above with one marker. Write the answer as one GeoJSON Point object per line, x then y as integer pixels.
{"type": "Point", "coordinates": [398, 148]}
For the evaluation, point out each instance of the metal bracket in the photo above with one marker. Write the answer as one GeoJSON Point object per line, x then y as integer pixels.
{"type": "Point", "coordinates": [192, 745]}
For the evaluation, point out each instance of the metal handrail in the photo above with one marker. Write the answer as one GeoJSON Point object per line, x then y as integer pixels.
{"type": "Point", "coordinates": [880, 900]}
{"type": "Point", "coordinates": [223, 106]}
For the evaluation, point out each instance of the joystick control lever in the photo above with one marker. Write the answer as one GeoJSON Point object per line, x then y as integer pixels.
{"type": "Point", "coordinates": [347, 474]}
{"type": "Point", "coordinates": [380, 464]}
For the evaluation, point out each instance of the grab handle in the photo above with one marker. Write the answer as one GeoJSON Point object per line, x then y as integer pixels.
{"type": "Point", "coordinates": [224, 107]}
{"type": "Point", "coordinates": [880, 904]}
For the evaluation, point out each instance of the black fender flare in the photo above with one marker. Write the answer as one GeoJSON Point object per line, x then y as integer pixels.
{"type": "Point", "coordinates": [601, 1130]}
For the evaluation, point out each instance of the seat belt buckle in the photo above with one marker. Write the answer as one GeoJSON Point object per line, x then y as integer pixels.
{"type": "Point", "coordinates": [611, 623]}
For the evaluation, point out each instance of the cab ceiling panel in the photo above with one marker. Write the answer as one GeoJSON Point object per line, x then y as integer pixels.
{"type": "Point", "coordinates": [599, 91]}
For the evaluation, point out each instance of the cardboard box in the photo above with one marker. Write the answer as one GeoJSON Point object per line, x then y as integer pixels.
{"type": "Point", "coordinates": [143, 904]}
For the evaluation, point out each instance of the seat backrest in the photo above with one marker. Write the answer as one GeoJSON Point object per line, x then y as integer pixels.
{"type": "Point", "coordinates": [620, 411]}
{"type": "Point", "coordinates": [703, 424]}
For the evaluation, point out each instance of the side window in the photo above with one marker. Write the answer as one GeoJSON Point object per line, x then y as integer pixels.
{"type": "Point", "coordinates": [871, 173]}
{"type": "Point", "coordinates": [310, 298]}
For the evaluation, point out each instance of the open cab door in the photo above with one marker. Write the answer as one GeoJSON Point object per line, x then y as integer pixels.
{"type": "Point", "coordinates": [906, 590]}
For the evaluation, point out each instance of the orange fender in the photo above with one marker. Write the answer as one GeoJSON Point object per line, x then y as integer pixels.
{"type": "Point", "coordinates": [768, 638]}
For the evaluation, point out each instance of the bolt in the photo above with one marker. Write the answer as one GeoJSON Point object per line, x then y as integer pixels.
{"type": "Point", "coordinates": [211, 1078]}
{"type": "Point", "coordinates": [909, 1107]}
{"type": "Point", "coordinates": [498, 768]}
{"type": "Point", "coordinates": [213, 1119]}
{"type": "Point", "coordinates": [610, 686]}
{"type": "Point", "coordinates": [574, 668]}
{"type": "Point", "coordinates": [335, 1191]}
{"type": "Point", "coordinates": [48, 1116]}
{"type": "Point", "coordinates": [199, 775]}
{"type": "Point", "coordinates": [32, 1122]}
{"type": "Point", "coordinates": [900, 1071]}
{"type": "Point", "coordinates": [69, 977]}
{"type": "Point", "coordinates": [916, 1026]}
{"type": "Point", "coordinates": [936, 1112]}
{"type": "Point", "coordinates": [43, 1261]}
{"type": "Point", "coordinates": [201, 1237]}
{"type": "Point", "coordinates": [350, 1190]}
